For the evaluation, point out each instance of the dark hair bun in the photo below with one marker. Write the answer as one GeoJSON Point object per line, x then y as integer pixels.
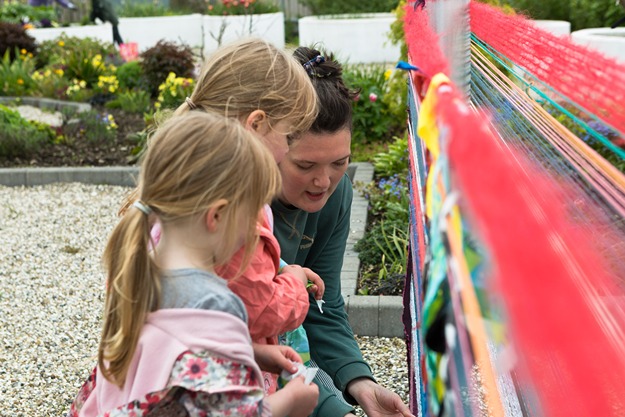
{"type": "Point", "coordinates": [335, 99]}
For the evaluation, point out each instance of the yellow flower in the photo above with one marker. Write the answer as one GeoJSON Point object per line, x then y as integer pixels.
{"type": "Point", "coordinates": [23, 51]}
{"type": "Point", "coordinates": [387, 74]}
{"type": "Point", "coordinates": [61, 43]}
{"type": "Point", "coordinates": [157, 105]}
{"type": "Point", "coordinates": [58, 72]}
{"type": "Point", "coordinates": [20, 81]}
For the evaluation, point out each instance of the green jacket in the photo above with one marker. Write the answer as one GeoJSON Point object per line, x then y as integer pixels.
{"type": "Point", "coordinates": [317, 241]}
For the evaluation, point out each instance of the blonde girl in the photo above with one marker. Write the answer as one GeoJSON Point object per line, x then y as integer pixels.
{"type": "Point", "coordinates": [175, 338]}
{"type": "Point", "coordinates": [270, 94]}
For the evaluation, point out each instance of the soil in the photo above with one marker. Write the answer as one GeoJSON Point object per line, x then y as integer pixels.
{"type": "Point", "coordinates": [74, 151]}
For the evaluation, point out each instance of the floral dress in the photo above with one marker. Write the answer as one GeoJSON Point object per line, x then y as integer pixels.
{"type": "Point", "coordinates": [201, 384]}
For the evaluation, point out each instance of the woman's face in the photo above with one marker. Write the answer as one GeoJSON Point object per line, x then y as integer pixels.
{"type": "Point", "coordinates": [313, 167]}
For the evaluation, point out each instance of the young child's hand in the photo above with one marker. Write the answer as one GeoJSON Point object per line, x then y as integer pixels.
{"type": "Point", "coordinates": [315, 285]}
{"type": "Point", "coordinates": [275, 358]}
{"type": "Point", "coordinates": [296, 270]}
{"type": "Point", "coordinates": [304, 397]}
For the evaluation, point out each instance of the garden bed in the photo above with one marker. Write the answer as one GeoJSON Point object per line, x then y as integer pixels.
{"type": "Point", "coordinates": [118, 149]}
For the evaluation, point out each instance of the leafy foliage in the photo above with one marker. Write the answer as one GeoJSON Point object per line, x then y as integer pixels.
{"type": "Point", "coordinates": [383, 249]}
{"type": "Point", "coordinates": [581, 13]}
{"type": "Point", "coordinates": [14, 39]}
{"type": "Point", "coordinates": [22, 13]}
{"type": "Point", "coordinates": [15, 75]}
{"type": "Point", "coordinates": [241, 7]}
{"type": "Point", "coordinates": [321, 7]}
{"type": "Point", "coordinates": [161, 59]}
{"type": "Point", "coordinates": [18, 136]}
{"type": "Point", "coordinates": [373, 120]}
{"type": "Point", "coordinates": [130, 75]}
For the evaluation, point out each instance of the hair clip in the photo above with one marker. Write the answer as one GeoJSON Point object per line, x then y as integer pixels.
{"type": "Point", "coordinates": [309, 66]}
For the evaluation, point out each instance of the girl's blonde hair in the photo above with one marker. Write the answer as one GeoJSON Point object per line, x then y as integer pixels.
{"type": "Point", "coordinates": [193, 161]}
{"type": "Point", "coordinates": [252, 74]}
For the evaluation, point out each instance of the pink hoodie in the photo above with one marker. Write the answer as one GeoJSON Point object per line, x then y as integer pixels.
{"type": "Point", "coordinates": [166, 334]}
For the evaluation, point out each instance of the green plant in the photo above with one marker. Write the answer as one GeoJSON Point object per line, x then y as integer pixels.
{"type": "Point", "coordinates": [15, 75]}
{"type": "Point", "coordinates": [22, 13]}
{"type": "Point", "coordinates": [581, 13]}
{"type": "Point", "coordinates": [394, 161]}
{"type": "Point", "coordinates": [373, 121]}
{"type": "Point", "coordinates": [15, 40]}
{"type": "Point", "coordinates": [86, 67]}
{"type": "Point", "coordinates": [240, 7]}
{"type": "Point", "coordinates": [130, 75]}
{"type": "Point", "coordinates": [51, 82]}
{"type": "Point", "coordinates": [383, 256]}
{"type": "Point", "coordinates": [144, 9]}
{"type": "Point", "coordinates": [173, 91]}
{"type": "Point", "coordinates": [132, 101]}
{"type": "Point", "coordinates": [91, 126]}
{"type": "Point", "coordinates": [321, 7]}
{"type": "Point", "coordinates": [163, 58]}
{"type": "Point", "coordinates": [65, 48]}
{"type": "Point", "coordinates": [20, 138]}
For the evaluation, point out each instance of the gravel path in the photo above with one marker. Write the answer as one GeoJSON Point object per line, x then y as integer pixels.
{"type": "Point", "coordinates": [51, 297]}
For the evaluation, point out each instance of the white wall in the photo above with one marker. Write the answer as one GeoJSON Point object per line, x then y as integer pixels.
{"type": "Point", "coordinates": [352, 38]}
{"type": "Point", "coordinates": [610, 42]}
{"type": "Point", "coordinates": [190, 30]}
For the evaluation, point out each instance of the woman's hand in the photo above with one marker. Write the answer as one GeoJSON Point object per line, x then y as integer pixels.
{"type": "Point", "coordinates": [376, 400]}
{"type": "Point", "coordinates": [315, 285]}
{"type": "Point", "coordinates": [275, 358]}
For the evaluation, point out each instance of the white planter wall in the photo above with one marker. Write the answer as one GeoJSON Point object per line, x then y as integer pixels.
{"type": "Point", "coordinates": [611, 42]}
{"type": "Point", "coordinates": [190, 30]}
{"type": "Point", "coordinates": [100, 32]}
{"type": "Point", "coordinates": [269, 26]}
{"type": "Point", "coordinates": [555, 27]}
{"type": "Point", "coordinates": [352, 38]}
{"type": "Point", "coordinates": [147, 31]}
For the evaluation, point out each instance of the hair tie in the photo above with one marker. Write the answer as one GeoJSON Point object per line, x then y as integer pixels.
{"type": "Point", "coordinates": [190, 103]}
{"type": "Point", "coordinates": [309, 66]}
{"type": "Point", "coordinates": [143, 207]}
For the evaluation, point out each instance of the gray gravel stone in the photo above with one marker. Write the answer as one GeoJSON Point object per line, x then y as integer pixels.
{"type": "Point", "coordinates": [51, 297]}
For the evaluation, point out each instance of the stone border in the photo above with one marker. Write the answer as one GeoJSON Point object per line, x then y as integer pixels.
{"type": "Point", "coordinates": [368, 315]}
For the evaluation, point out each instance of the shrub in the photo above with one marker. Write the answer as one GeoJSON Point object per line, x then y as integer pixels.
{"type": "Point", "coordinates": [130, 75]}
{"type": "Point", "coordinates": [163, 58]}
{"type": "Point", "coordinates": [13, 38]}
{"type": "Point", "coordinates": [240, 7]}
{"type": "Point", "coordinates": [91, 126]}
{"type": "Point", "coordinates": [60, 50]}
{"type": "Point", "coordinates": [132, 101]}
{"type": "Point", "coordinates": [51, 82]}
{"type": "Point", "coordinates": [20, 138]}
{"type": "Point", "coordinates": [21, 13]}
{"type": "Point", "coordinates": [173, 91]}
{"type": "Point", "coordinates": [321, 7]}
{"type": "Point", "coordinates": [373, 119]}
{"type": "Point", "coordinates": [581, 13]}
{"type": "Point", "coordinates": [15, 76]}
{"type": "Point", "coordinates": [143, 9]}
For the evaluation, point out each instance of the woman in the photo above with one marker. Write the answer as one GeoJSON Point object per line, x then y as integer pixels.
{"type": "Point", "coordinates": [312, 216]}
